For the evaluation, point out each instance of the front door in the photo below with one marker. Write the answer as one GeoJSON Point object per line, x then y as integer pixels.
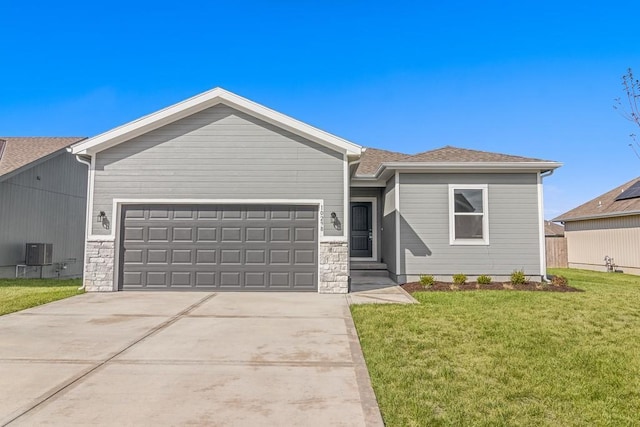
{"type": "Point", "coordinates": [361, 230]}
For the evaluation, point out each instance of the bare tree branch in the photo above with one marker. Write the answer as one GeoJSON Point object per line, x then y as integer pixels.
{"type": "Point", "coordinates": [629, 106]}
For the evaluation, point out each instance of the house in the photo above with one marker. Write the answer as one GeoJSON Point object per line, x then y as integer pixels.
{"type": "Point", "coordinates": [220, 193]}
{"type": "Point", "coordinates": [606, 227]}
{"type": "Point", "coordinates": [43, 193]}
{"type": "Point", "coordinates": [551, 229]}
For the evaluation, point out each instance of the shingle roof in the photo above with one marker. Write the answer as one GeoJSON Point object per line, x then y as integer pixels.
{"type": "Point", "coordinates": [373, 158]}
{"type": "Point", "coordinates": [552, 229]}
{"type": "Point", "coordinates": [604, 205]}
{"type": "Point", "coordinates": [16, 152]}
{"type": "Point", "coordinates": [455, 154]}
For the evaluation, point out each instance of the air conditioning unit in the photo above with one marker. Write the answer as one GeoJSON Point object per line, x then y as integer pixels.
{"type": "Point", "coordinates": [39, 254]}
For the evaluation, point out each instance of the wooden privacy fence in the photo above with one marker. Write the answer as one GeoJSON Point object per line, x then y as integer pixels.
{"type": "Point", "coordinates": [557, 252]}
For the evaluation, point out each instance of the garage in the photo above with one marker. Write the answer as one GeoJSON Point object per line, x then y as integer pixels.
{"type": "Point", "coordinates": [219, 247]}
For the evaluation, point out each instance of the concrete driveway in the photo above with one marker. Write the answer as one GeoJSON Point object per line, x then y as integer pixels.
{"type": "Point", "coordinates": [232, 359]}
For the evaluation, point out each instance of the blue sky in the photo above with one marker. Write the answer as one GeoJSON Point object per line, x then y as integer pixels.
{"type": "Point", "coordinates": [529, 78]}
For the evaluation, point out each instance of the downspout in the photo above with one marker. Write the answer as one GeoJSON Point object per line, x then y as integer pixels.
{"type": "Point", "coordinates": [87, 215]}
{"type": "Point", "coordinates": [543, 251]}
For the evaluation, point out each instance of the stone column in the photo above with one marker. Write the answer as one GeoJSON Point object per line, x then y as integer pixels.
{"type": "Point", "coordinates": [334, 267]}
{"type": "Point", "coordinates": [98, 266]}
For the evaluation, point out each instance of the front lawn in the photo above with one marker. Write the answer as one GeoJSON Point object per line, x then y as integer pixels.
{"type": "Point", "coordinates": [18, 294]}
{"type": "Point", "coordinates": [509, 358]}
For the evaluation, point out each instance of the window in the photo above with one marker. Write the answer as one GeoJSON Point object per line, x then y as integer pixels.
{"type": "Point", "coordinates": [468, 216]}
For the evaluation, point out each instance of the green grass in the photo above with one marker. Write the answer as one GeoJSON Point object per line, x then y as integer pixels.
{"type": "Point", "coordinates": [18, 294]}
{"type": "Point", "coordinates": [508, 358]}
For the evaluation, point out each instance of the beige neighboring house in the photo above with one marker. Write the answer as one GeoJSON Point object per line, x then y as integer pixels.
{"type": "Point", "coordinates": [607, 226]}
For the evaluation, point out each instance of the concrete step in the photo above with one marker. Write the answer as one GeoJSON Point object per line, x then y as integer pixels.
{"type": "Point", "coordinates": [368, 265]}
{"type": "Point", "coordinates": [369, 273]}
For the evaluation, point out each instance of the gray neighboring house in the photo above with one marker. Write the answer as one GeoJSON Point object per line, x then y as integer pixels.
{"type": "Point", "coordinates": [42, 200]}
{"type": "Point", "coordinates": [220, 193]}
{"type": "Point", "coordinates": [606, 226]}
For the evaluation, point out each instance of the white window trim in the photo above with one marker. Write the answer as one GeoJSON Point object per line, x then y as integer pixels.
{"type": "Point", "coordinates": [485, 215]}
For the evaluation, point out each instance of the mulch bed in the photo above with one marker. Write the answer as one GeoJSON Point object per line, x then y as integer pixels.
{"type": "Point", "coordinates": [494, 286]}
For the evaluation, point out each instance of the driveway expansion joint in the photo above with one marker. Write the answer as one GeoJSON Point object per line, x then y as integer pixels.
{"type": "Point", "coordinates": [74, 379]}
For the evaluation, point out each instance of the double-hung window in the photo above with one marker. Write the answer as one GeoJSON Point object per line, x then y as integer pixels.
{"type": "Point", "coordinates": [468, 214]}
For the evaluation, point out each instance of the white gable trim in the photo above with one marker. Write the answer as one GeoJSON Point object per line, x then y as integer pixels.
{"type": "Point", "coordinates": [201, 102]}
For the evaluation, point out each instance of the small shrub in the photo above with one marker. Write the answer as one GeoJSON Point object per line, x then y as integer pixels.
{"type": "Point", "coordinates": [484, 279]}
{"type": "Point", "coordinates": [427, 280]}
{"type": "Point", "coordinates": [559, 281]}
{"type": "Point", "coordinates": [518, 277]}
{"type": "Point", "coordinates": [459, 279]}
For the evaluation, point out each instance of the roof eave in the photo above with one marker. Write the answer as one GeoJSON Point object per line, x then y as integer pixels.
{"type": "Point", "coordinates": [464, 167]}
{"type": "Point", "coordinates": [34, 163]}
{"type": "Point", "coordinates": [206, 100]}
{"type": "Point", "coordinates": [596, 216]}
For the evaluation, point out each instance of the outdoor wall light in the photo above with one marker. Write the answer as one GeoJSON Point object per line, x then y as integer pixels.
{"type": "Point", "coordinates": [335, 221]}
{"type": "Point", "coordinates": [102, 218]}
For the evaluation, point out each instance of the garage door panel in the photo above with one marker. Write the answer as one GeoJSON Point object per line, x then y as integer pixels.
{"type": "Point", "coordinates": [181, 256]}
{"type": "Point", "coordinates": [280, 234]}
{"type": "Point", "coordinates": [219, 247]}
{"type": "Point", "coordinates": [231, 214]}
{"type": "Point", "coordinates": [182, 234]}
{"type": "Point", "coordinates": [180, 278]}
{"type": "Point", "coordinates": [158, 234]}
{"type": "Point", "coordinates": [255, 234]}
{"type": "Point", "coordinates": [157, 256]}
{"type": "Point", "coordinates": [158, 213]}
{"type": "Point", "coordinates": [156, 278]}
{"type": "Point", "coordinates": [230, 256]}
{"type": "Point", "coordinates": [256, 256]}
{"type": "Point", "coordinates": [134, 234]}
{"type": "Point", "coordinates": [206, 256]}
{"type": "Point", "coordinates": [279, 280]}
{"type": "Point", "coordinates": [230, 279]}
{"type": "Point", "coordinates": [304, 280]}
{"type": "Point", "coordinates": [306, 234]}
{"type": "Point", "coordinates": [205, 279]}
{"type": "Point", "coordinates": [305, 256]}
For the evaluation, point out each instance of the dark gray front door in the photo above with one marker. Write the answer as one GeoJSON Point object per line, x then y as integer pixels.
{"type": "Point", "coordinates": [361, 230]}
{"type": "Point", "coordinates": [219, 247]}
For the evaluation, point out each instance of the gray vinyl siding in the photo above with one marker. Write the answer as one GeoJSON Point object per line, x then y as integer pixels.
{"type": "Point", "coordinates": [373, 192]}
{"type": "Point", "coordinates": [389, 227]}
{"type": "Point", "coordinates": [51, 209]}
{"type": "Point", "coordinates": [513, 226]}
{"type": "Point", "coordinates": [219, 153]}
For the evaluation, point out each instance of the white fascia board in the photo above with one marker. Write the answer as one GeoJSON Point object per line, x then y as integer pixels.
{"type": "Point", "coordinates": [499, 167]}
{"type": "Point", "coordinates": [368, 182]}
{"type": "Point", "coordinates": [201, 102]}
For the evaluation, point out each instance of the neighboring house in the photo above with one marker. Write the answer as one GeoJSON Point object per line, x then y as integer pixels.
{"type": "Point", "coordinates": [551, 229]}
{"type": "Point", "coordinates": [555, 245]}
{"type": "Point", "coordinates": [220, 193]}
{"type": "Point", "coordinates": [607, 226]}
{"type": "Point", "coordinates": [43, 193]}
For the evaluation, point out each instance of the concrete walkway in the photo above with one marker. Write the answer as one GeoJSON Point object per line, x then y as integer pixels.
{"type": "Point", "coordinates": [373, 289]}
{"type": "Point", "coordinates": [232, 359]}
